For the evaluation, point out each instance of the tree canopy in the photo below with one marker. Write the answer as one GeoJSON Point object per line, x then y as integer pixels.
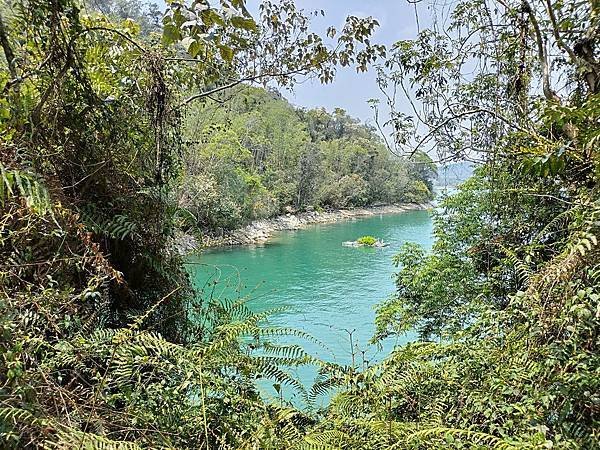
{"type": "Point", "coordinates": [252, 155]}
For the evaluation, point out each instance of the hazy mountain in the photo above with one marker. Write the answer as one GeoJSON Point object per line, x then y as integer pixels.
{"type": "Point", "coordinates": [454, 173]}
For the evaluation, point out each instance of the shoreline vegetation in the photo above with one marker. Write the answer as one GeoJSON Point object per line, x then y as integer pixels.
{"type": "Point", "coordinates": [262, 230]}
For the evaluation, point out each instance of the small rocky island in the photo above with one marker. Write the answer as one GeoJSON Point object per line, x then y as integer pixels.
{"type": "Point", "coordinates": [366, 241]}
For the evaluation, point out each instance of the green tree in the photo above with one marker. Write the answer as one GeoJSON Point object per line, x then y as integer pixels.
{"type": "Point", "coordinates": [344, 165]}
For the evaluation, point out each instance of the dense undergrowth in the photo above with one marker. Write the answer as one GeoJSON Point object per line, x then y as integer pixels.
{"type": "Point", "coordinates": [104, 344]}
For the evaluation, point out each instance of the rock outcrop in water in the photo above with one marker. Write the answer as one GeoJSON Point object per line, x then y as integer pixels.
{"type": "Point", "coordinates": [377, 244]}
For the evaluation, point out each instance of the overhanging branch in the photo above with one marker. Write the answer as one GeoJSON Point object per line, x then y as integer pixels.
{"type": "Point", "coordinates": [475, 110]}
{"type": "Point", "coordinates": [237, 82]}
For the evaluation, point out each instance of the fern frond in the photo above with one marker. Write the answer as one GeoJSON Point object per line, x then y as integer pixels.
{"type": "Point", "coordinates": [27, 185]}
{"type": "Point", "coordinates": [69, 438]}
{"type": "Point", "coordinates": [16, 415]}
{"type": "Point", "coordinates": [329, 440]}
{"type": "Point", "coordinates": [467, 436]}
{"type": "Point", "coordinates": [117, 226]}
{"type": "Point", "coordinates": [524, 272]}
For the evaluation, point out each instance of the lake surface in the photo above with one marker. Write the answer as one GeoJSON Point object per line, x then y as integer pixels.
{"type": "Point", "coordinates": [328, 290]}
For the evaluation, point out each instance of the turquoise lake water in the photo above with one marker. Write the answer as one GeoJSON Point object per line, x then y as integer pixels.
{"type": "Point", "coordinates": [328, 290]}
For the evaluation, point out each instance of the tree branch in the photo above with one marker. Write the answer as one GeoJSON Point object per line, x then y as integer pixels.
{"type": "Point", "coordinates": [556, 33]}
{"type": "Point", "coordinates": [549, 93]}
{"type": "Point", "coordinates": [475, 110]}
{"type": "Point", "coordinates": [117, 32]}
{"type": "Point", "coordinates": [240, 81]}
{"type": "Point", "coordinates": [8, 51]}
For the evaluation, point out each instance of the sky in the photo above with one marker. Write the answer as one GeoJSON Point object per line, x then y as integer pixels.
{"type": "Point", "coordinates": [351, 90]}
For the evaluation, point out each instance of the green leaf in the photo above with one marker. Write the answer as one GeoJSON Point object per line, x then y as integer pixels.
{"type": "Point", "coordinates": [170, 33]}
{"type": "Point", "coordinates": [192, 46]}
{"type": "Point", "coordinates": [226, 53]}
{"type": "Point", "coordinates": [244, 23]}
{"type": "Point", "coordinates": [210, 17]}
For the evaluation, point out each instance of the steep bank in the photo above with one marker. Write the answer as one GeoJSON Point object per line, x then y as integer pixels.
{"type": "Point", "coordinates": [260, 231]}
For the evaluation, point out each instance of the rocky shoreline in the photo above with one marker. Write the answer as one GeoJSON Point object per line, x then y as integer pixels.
{"type": "Point", "coordinates": [261, 230]}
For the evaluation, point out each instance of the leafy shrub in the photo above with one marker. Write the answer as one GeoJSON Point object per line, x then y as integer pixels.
{"type": "Point", "coordinates": [418, 192]}
{"type": "Point", "coordinates": [350, 190]}
{"type": "Point", "coordinates": [367, 240]}
{"type": "Point", "coordinates": [202, 196]}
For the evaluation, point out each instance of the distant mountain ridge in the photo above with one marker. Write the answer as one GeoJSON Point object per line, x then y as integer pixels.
{"type": "Point", "coordinates": [454, 174]}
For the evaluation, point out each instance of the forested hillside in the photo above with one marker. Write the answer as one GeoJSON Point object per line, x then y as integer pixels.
{"type": "Point", "coordinates": [114, 134]}
{"type": "Point", "coordinates": [253, 155]}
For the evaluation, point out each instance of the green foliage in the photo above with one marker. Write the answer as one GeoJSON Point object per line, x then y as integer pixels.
{"type": "Point", "coordinates": [15, 183]}
{"type": "Point", "coordinates": [258, 156]}
{"type": "Point", "coordinates": [146, 15]}
{"type": "Point", "coordinates": [104, 345]}
{"type": "Point", "coordinates": [366, 240]}
{"type": "Point", "coordinates": [280, 34]}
